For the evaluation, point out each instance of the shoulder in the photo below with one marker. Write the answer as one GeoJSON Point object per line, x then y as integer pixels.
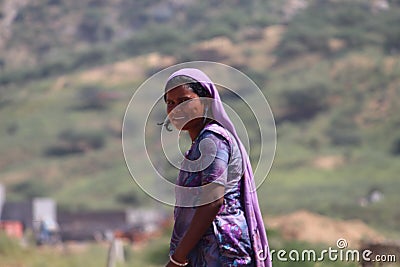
{"type": "Point", "coordinates": [214, 142]}
{"type": "Point", "coordinates": [216, 132]}
{"type": "Point", "coordinates": [210, 140]}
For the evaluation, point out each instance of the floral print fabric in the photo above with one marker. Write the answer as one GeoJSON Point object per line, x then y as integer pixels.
{"type": "Point", "coordinates": [226, 242]}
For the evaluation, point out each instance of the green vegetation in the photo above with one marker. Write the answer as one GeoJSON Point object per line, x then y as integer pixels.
{"type": "Point", "coordinates": [333, 86]}
{"type": "Point", "coordinates": [101, 32]}
{"type": "Point", "coordinates": [337, 103]}
{"type": "Point", "coordinates": [12, 253]}
{"type": "Point", "coordinates": [153, 253]}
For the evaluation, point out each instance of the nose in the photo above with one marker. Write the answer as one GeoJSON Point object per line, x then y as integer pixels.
{"type": "Point", "coordinates": [174, 109]}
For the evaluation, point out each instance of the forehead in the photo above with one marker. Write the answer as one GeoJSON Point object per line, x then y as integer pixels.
{"type": "Point", "coordinates": [180, 91]}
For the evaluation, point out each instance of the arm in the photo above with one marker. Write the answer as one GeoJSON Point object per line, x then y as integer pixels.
{"type": "Point", "coordinates": [201, 221]}
{"type": "Point", "coordinates": [212, 195]}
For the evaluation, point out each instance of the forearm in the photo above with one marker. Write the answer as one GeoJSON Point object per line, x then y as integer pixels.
{"type": "Point", "coordinates": [201, 221]}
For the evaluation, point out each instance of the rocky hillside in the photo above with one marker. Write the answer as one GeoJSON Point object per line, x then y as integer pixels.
{"type": "Point", "coordinates": [329, 69]}
{"type": "Point", "coordinates": [87, 32]}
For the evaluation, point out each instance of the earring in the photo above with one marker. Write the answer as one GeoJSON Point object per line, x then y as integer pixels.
{"type": "Point", "coordinates": [205, 115]}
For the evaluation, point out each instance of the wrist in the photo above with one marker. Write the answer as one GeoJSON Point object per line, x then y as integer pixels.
{"type": "Point", "coordinates": [179, 255]}
{"type": "Point", "coordinates": [178, 262]}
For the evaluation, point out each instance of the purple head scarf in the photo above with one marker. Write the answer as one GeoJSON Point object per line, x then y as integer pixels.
{"type": "Point", "coordinates": [252, 209]}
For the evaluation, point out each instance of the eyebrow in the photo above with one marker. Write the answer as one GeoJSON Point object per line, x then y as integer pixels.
{"type": "Point", "coordinates": [182, 97]}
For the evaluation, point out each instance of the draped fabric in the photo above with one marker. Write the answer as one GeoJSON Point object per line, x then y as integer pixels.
{"type": "Point", "coordinates": [253, 215]}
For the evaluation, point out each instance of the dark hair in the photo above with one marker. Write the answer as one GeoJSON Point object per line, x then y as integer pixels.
{"type": "Point", "coordinates": [193, 84]}
{"type": "Point", "coordinates": [179, 80]}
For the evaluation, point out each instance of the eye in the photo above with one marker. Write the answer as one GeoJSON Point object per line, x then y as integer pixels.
{"type": "Point", "coordinates": [184, 99]}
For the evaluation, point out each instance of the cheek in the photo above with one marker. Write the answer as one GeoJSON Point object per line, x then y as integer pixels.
{"type": "Point", "coordinates": [197, 110]}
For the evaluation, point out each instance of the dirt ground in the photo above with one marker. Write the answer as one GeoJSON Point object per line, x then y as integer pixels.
{"type": "Point", "coordinates": [306, 226]}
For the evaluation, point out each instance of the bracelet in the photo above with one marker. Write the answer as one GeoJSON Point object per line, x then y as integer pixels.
{"type": "Point", "coordinates": [177, 263]}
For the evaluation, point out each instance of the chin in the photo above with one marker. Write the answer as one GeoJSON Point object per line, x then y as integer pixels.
{"type": "Point", "coordinates": [187, 126]}
{"type": "Point", "coordinates": [191, 124]}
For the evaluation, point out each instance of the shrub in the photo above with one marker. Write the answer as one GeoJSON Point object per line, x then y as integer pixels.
{"type": "Point", "coordinates": [73, 142]}
{"type": "Point", "coordinates": [164, 39]}
{"type": "Point", "coordinates": [215, 29]}
{"type": "Point", "coordinates": [391, 32]}
{"type": "Point", "coordinates": [92, 97]}
{"type": "Point", "coordinates": [90, 57]}
{"type": "Point", "coordinates": [343, 130]}
{"type": "Point", "coordinates": [92, 140]}
{"type": "Point", "coordinates": [8, 246]}
{"type": "Point", "coordinates": [54, 2]}
{"type": "Point", "coordinates": [311, 30]}
{"type": "Point", "coordinates": [129, 198]}
{"type": "Point", "coordinates": [305, 102]}
{"type": "Point", "coordinates": [92, 28]}
{"type": "Point", "coordinates": [395, 149]}
{"type": "Point", "coordinates": [30, 189]}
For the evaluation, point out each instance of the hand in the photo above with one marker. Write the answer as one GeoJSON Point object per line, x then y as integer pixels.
{"type": "Point", "coordinates": [170, 264]}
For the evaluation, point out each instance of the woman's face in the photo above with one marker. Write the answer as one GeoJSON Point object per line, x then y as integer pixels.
{"type": "Point", "coordinates": [184, 107]}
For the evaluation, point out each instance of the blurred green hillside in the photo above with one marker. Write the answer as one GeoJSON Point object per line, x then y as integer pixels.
{"type": "Point", "coordinates": [153, 254]}
{"type": "Point", "coordinates": [329, 69]}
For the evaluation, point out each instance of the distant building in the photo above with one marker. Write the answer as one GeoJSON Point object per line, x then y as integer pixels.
{"type": "Point", "coordinates": [43, 209]}
{"type": "Point", "coordinates": [90, 225]}
{"type": "Point", "coordinates": [42, 217]}
{"type": "Point", "coordinates": [18, 211]}
{"type": "Point", "coordinates": [101, 225]}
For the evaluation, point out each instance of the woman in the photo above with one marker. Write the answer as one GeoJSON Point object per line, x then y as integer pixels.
{"type": "Point", "coordinates": [224, 225]}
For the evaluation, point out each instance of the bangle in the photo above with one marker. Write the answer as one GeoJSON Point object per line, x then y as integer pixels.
{"type": "Point", "coordinates": [177, 263]}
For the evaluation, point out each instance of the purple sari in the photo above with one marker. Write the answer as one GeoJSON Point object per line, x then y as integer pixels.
{"type": "Point", "coordinates": [228, 236]}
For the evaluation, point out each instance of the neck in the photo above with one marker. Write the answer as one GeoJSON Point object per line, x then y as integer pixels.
{"type": "Point", "coordinates": [193, 133]}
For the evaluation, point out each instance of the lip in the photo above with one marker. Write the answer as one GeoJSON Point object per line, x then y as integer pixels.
{"type": "Point", "coordinates": [178, 118]}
